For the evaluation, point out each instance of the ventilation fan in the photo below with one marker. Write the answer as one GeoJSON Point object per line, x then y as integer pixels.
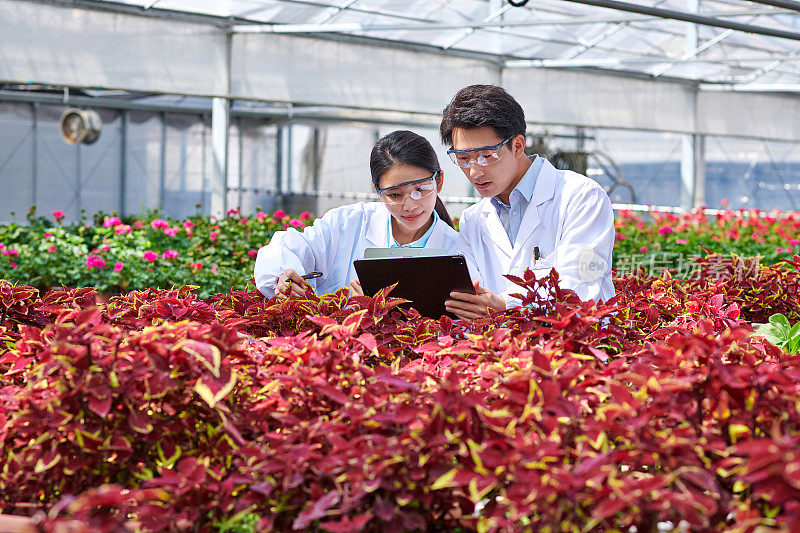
{"type": "Point", "coordinates": [80, 126]}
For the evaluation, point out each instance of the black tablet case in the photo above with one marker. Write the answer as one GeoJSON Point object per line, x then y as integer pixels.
{"type": "Point", "coordinates": [426, 281]}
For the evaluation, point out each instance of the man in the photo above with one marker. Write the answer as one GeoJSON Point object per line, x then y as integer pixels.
{"type": "Point", "coordinates": [532, 215]}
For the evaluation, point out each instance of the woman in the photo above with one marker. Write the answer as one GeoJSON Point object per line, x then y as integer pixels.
{"type": "Point", "coordinates": [407, 177]}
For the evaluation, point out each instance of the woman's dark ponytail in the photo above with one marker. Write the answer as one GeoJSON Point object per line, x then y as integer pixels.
{"type": "Point", "coordinates": [406, 147]}
{"type": "Point", "coordinates": [441, 210]}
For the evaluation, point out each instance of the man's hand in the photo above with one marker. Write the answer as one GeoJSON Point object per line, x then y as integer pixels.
{"type": "Point", "coordinates": [472, 306]}
{"type": "Point", "coordinates": [355, 288]}
{"type": "Point", "coordinates": [290, 284]}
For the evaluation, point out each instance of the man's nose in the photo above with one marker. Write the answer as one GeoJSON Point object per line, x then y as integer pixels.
{"type": "Point", "coordinates": [475, 170]}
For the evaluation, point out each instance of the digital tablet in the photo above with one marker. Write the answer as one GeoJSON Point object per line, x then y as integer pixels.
{"type": "Point", "coordinates": [426, 281]}
{"type": "Point", "coordinates": [402, 251]}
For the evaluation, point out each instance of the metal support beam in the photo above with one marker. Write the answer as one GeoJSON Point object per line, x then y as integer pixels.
{"type": "Point", "coordinates": [220, 109]}
{"type": "Point", "coordinates": [241, 160]}
{"type": "Point", "coordinates": [377, 28]}
{"type": "Point", "coordinates": [692, 163]}
{"type": "Point", "coordinates": [35, 154]}
{"type": "Point", "coordinates": [220, 138]}
{"type": "Point", "coordinates": [692, 171]}
{"type": "Point", "coordinates": [162, 163]}
{"type": "Point", "coordinates": [123, 163]}
{"type": "Point", "coordinates": [689, 17]}
{"type": "Point", "coordinates": [496, 13]}
{"type": "Point", "coordinates": [78, 184]}
{"type": "Point", "coordinates": [752, 87]}
{"type": "Point", "coordinates": [324, 19]}
{"type": "Point", "coordinates": [785, 4]}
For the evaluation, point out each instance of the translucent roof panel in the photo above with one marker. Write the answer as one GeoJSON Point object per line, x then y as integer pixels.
{"type": "Point", "coordinates": [549, 33]}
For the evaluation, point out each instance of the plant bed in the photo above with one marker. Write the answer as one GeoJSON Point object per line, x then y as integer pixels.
{"type": "Point", "coordinates": [347, 414]}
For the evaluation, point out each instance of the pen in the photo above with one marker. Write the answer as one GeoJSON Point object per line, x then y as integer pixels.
{"type": "Point", "coordinates": [535, 255]}
{"type": "Point", "coordinates": [312, 275]}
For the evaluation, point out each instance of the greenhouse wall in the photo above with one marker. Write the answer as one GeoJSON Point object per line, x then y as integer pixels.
{"type": "Point", "coordinates": [281, 155]}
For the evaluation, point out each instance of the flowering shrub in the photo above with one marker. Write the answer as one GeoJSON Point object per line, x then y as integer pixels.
{"type": "Point", "coordinates": [117, 255]}
{"type": "Point", "coordinates": [665, 240]}
{"type": "Point", "coordinates": [659, 409]}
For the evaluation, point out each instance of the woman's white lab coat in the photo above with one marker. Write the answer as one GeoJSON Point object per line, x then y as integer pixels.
{"type": "Point", "coordinates": [569, 219]}
{"type": "Point", "coordinates": [332, 244]}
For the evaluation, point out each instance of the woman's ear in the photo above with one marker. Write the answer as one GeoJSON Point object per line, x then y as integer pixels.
{"type": "Point", "coordinates": [439, 181]}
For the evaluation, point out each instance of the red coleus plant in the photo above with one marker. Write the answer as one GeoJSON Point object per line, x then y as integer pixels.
{"type": "Point", "coordinates": [345, 414]}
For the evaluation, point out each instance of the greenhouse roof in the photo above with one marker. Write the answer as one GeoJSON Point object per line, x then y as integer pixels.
{"type": "Point", "coordinates": [721, 44]}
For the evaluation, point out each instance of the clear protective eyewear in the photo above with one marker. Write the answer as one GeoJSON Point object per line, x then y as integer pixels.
{"type": "Point", "coordinates": [421, 188]}
{"type": "Point", "coordinates": [483, 157]}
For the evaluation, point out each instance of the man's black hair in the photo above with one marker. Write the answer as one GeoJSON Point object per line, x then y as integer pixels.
{"type": "Point", "coordinates": [476, 106]}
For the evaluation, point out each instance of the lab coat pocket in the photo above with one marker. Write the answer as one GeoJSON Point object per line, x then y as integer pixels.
{"type": "Point", "coordinates": [542, 266]}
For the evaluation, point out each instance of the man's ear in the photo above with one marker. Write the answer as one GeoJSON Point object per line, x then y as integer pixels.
{"type": "Point", "coordinates": [518, 146]}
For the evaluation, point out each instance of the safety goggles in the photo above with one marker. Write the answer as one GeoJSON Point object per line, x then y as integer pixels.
{"type": "Point", "coordinates": [415, 189]}
{"type": "Point", "coordinates": [483, 157]}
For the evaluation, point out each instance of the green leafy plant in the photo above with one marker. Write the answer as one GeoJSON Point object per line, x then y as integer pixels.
{"type": "Point", "coordinates": [780, 332]}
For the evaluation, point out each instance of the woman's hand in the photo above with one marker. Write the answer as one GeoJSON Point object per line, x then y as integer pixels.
{"type": "Point", "coordinates": [472, 306]}
{"type": "Point", "coordinates": [355, 288]}
{"type": "Point", "coordinates": [290, 284]}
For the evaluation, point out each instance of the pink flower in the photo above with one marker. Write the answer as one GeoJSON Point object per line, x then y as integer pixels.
{"type": "Point", "coordinates": [118, 266]}
{"type": "Point", "coordinates": [665, 230]}
{"type": "Point", "coordinates": [214, 269]}
{"type": "Point", "coordinates": [213, 235]}
{"type": "Point", "coordinates": [111, 221]}
{"type": "Point", "coordinates": [52, 249]}
{"type": "Point", "coordinates": [280, 213]}
{"type": "Point", "coordinates": [13, 264]}
{"type": "Point", "coordinates": [172, 232]}
{"type": "Point", "coordinates": [252, 253]}
{"type": "Point", "coordinates": [11, 251]}
{"type": "Point", "coordinates": [619, 237]}
{"type": "Point", "coordinates": [170, 254]}
{"type": "Point", "coordinates": [95, 261]}
{"type": "Point", "coordinates": [48, 235]}
{"type": "Point", "coordinates": [794, 242]}
{"type": "Point", "coordinates": [138, 224]}
{"type": "Point", "coordinates": [779, 250]}
{"type": "Point", "coordinates": [681, 241]}
{"type": "Point", "coordinates": [305, 215]}
{"type": "Point", "coordinates": [261, 215]}
{"type": "Point", "coordinates": [244, 221]}
{"type": "Point", "coordinates": [105, 247]}
{"type": "Point", "coordinates": [644, 249]}
{"type": "Point", "coordinates": [296, 223]}
{"type": "Point", "coordinates": [724, 202]}
{"type": "Point", "coordinates": [124, 228]}
{"type": "Point", "coordinates": [159, 223]}
{"type": "Point", "coordinates": [232, 212]}
{"type": "Point", "coordinates": [58, 214]}
{"type": "Point", "coordinates": [196, 266]}
{"type": "Point", "coordinates": [149, 256]}
{"type": "Point", "coordinates": [188, 225]}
